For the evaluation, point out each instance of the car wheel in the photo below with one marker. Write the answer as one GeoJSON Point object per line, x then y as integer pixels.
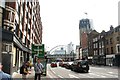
{"type": "Point", "coordinates": [87, 71]}
{"type": "Point", "coordinates": [71, 69]}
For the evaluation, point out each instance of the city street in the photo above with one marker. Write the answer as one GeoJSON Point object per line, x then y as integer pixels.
{"type": "Point", "coordinates": [94, 72]}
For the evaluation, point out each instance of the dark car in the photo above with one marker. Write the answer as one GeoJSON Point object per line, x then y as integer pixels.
{"type": "Point", "coordinates": [68, 65]}
{"type": "Point", "coordinates": [53, 64]}
{"type": "Point", "coordinates": [80, 66]}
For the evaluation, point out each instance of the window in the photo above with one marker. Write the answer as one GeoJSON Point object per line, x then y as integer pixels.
{"type": "Point", "coordinates": [99, 51]}
{"type": "Point", "coordinates": [25, 40]}
{"type": "Point", "coordinates": [3, 47]}
{"type": "Point", "coordinates": [10, 48]}
{"type": "Point", "coordinates": [17, 27]}
{"type": "Point", "coordinates": [102, 51]}
{"type": "Point", "coordinates": [12, 18]}
{"type": "Point", "coordinates": [96, 45]}
{"type": "Point", "coordinates": [107, 42]}
{"type": "Point", "coordinates": [29, 31]}
{"type": "Point", "coordinates": [102, 44]}
{"type": "Point", "coordinates": [110, 40]}
{"type": "Point", "coordinates": [26, 27]}
{"type": "Point", "coordinates": [118, 39]}
{"type": "Point", "coordinates": [111, 50]}
{"type": "Point", "coordinates": [107, 51]}
{"type": "Point", "coordinates": [6, 48]}
{"type": "Point", "coordinates": [27, 4]}
{"type": "Point", "coordinates": [7, 15]}
{"type": "Point", "coordinates": [21, 35]}
{"type": "Point", "coordinates": [0, 19]}
{"type": "Point", "coordinates": [27, 15]}
{"type": "Point", "coordinates": [99, 44]}
{"type": "Point", "coordinates": [118, 49]}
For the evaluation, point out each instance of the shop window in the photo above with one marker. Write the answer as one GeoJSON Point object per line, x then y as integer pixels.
{"type": "Point", "coordinates": [6, 48]}
{"type": "Point", "coordinates": [10, 48]}
{"type": "Point", "coordinates": [0, 19]}
{"type": "Point", "coordinates": [3, 47]}
{"type": "Point", "coordinates": [118, 48]}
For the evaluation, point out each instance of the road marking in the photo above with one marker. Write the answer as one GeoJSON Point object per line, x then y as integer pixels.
{"type": "Point", "coordinates": [72, 76]}
{"type": "Point", "coordinates": [60, 76]}
{"type": "Point", "coordinates": [97, 75]}
{"type": "Point", "coordinates": [110, 72]}
{"type": "Point", "coordinates": [104, 74]}
{"type": "Point", "coordinates": [53, 72]}
{"type": "Point", "coordinates": [50, 76]}
{"type": "Point", "coordinates": [86, 76]}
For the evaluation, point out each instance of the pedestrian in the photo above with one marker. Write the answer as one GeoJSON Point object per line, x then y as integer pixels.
{"type": "Point", "coordinates": [38, 69]}
{"type": "Point", "coordinates": [3, 75]}
{"type": "Point", "coordinates": [30, 64]}
{"type": "Point", "coordinates": [24, 70]}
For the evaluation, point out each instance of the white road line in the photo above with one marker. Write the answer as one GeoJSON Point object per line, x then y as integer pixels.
{"type": "Point", "coordinates": [60, 76]}
{"type": "Point", "coordinates": [86, 76]}
{"type": "Point", "coordinates": [109, 74]}
{"type": "Point", "coordinates": [50, 76]}
{"type": "Point", "coordinates": [112, 73]}
{"type": "Point", "coordinates": [54, 72]}
{"type": "Point", "coordinates": [72, 76]}
{"type": "Point", "coordinates": [97, 75]}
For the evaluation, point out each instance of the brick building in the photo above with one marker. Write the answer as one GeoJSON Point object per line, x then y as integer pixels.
{"type": "Point", "coordinates": [21, 27]}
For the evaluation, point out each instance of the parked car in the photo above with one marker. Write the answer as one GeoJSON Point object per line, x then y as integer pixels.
{"type": "Point", "coordinates": [60, 63]}
{"type": "Point", "coordinates": [63, 64]}
{"type": "Point", "coordinates": [68, 65]}
{"type": "Point", "coordinates": [53, 64]}
{"type": "Point", "coordinates": [80, 66]}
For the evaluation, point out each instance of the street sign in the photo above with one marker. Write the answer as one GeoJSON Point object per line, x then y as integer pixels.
{"type": "Point", "coordinates": [38, 49]}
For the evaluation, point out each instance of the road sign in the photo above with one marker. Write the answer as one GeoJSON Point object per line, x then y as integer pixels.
{"type": "Point", "coordinates": [38, 49]}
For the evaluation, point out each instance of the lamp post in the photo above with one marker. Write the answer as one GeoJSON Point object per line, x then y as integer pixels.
{"type": "Point", "coordinates": [65, 55]}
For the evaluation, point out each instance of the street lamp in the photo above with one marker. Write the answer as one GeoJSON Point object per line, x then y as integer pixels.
{"type": "Point", "coordinates": [65, 55]}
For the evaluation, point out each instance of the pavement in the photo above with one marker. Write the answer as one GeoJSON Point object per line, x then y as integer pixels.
{"type": "Point", "coordinates": [17, 75]}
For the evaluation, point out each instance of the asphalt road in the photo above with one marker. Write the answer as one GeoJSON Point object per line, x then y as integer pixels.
{"type": "Point", "coordinates": [95, 72]}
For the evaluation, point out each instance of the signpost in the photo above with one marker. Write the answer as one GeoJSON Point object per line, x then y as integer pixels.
{"type": "Point", "coordinates": [38, 50]}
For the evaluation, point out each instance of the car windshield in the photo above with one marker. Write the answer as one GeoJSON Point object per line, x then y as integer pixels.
{"type": "Point", "coordinates": [83, 62]}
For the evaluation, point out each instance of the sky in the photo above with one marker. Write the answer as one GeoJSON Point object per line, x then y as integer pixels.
{"type": "Point", "coordinates": [60, 19]}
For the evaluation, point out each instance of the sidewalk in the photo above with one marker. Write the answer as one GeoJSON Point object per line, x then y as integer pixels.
{"type": "Point", "coordinates": [17, 75]}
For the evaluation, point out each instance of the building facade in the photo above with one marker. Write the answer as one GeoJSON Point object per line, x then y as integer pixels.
{"type": "Point", "coordinates": [99, 49]}
{"type": "Point", "coordinates": [91, 36]}
{"type": "Point", "coordinates": [2, 6]}
{"type": "Point", "coordinates": [104, 47]}
{"type": "Point", "coordinates": [112, 45]}
{"type": "Point", "coordinates": [21, 28]}
{"type": "Point", "coordinates": [85, 26]}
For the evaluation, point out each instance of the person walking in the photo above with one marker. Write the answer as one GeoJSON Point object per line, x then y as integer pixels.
{"type": "Point", "coordinates": [24, 70]}
{"type": "Point", "coordinates": [38, 69]}
{"type": "Point", "coordinates": [3, 75]}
